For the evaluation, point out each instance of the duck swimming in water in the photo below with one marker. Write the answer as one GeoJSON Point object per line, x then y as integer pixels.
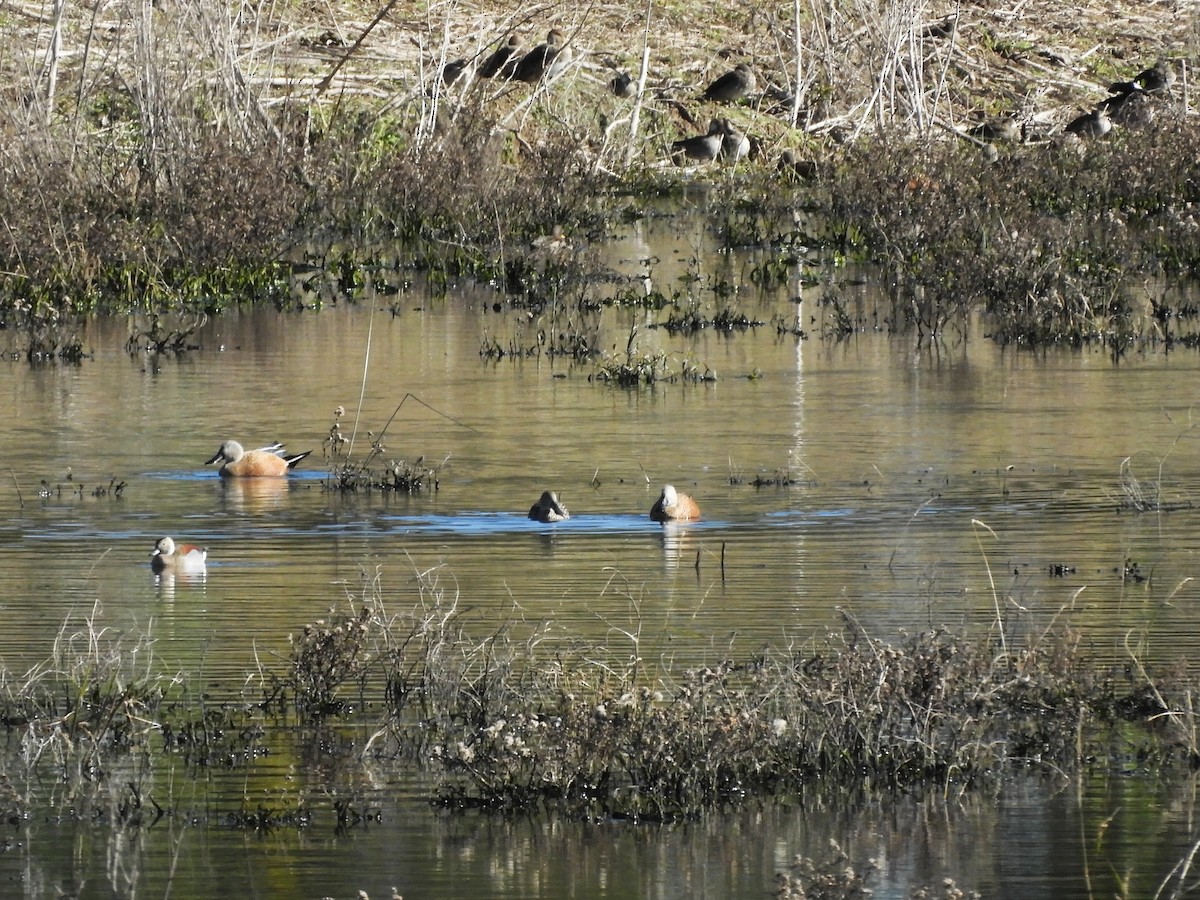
{"type": "Point", "coordinates": [178, 559]}
{"type": "Point", "coordinates": [269, 461]}
{"type": "Point", "coordinates": [673, 506]}
{"type": "Point", "coordinates": [548, 509]}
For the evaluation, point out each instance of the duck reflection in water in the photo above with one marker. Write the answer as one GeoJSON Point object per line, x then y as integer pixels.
{"type": "Point", "coordinates": [679, 547]}
{"type": "Point", "coordinates": [255, 495]}
{"type": "Point", "coordinates": [548, 509]}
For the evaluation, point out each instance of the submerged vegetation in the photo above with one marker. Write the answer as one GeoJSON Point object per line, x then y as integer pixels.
{"type": "Point", "coordinates": [184, 159]}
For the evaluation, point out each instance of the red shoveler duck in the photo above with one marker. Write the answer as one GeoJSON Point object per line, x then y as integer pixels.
{"type": "Point", "coordinates": [265, 462]}
{"type": "Point", "coordinates": [673, 506]}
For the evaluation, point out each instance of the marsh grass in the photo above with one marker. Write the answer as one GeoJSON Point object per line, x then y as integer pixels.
{"type": "Point", "coordinates": [422, 661]}
{"type": "Point", "coordinates": [376, 470]}
{"type": "Point", "coordinates": [178, 158]}
{"type": "Point", "coordinates": [1140, 494]}
{"type": "Point", "coordinates": [518, 719]}
{"type": "Point", "coordinates": [159, 338]}
{"type": "Point", "coordinates": [90, 710]}
{"type": "Point", "coordinates": [634, 368]}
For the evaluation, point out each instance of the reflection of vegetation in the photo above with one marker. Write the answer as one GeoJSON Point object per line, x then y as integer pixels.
{"type": "Point", "coordinates": [48, 333]}
{"type": "Point", "coordinates": [161, 339]}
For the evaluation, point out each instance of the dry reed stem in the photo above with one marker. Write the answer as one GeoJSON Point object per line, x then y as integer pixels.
{"type": "Point", "coordinates": [866, 64]}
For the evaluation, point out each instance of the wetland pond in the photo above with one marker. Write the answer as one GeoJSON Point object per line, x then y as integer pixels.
{"type": "Point", "coordinates": [955, 484]}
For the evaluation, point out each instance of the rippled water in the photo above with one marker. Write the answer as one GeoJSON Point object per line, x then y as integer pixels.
{"type": "Point", "coordinates": [932, 485]}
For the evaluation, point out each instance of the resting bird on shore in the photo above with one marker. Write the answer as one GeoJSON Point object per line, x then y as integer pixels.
{"type": "Point", "coordinates": [796, 169]}
{"type": "Point", "coordinates": [703, 147]}
{"type": "Point", "coordinates": [1157, 78]}
{"type": "Point", "coordinates": [501, 63]}
{"type": "Point", "coordinates": [733, 85]}
{"type": "Point", "coordinates": [622, 85]}
{"type": "Point", "coordinates": [544, 59]}
{"type": "Point", "coordinates": [1132, 110]}
{"type": "Point", "coordinates": [1090, 125]}
{"type": "Point", "coordinates": [1005, 129]}
{"type": "Point", "coordinates": [452, 71]}
{"type": "Point", "coordinates": [735, 145]}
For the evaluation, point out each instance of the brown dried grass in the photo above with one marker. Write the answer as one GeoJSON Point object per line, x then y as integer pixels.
{"type": "Point", "coordinates": [169, 140]}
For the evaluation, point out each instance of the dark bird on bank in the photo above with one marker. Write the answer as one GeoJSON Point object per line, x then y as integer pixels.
{"type": "Point", "coordinates": [732, 86]}
{"type": "Point", "coordinates": [544, 59]}
{"type": "Point", "coordinates": [1005, 129]}
{"type": "Point", "coordinates": [453, 70]}
{"type": "Point", "coordinates": [796, 169]}
{"type": "Point", "coordinates": [1157, 78]}
{"type": "Point", "coordinates": [501, 63]}
{"type": "Point", "coordinates": [735, 145]}
{"type": "Point", "coordinates": [622, 85]}
{"type": "Point", "coordinates": [704, 147]}
{"type": "Point", "coordinates": [1132, 110]}
{"type": "Point", "coordinates": [944, 27]}
{"type": "Point", "coordinates": [1090, 125]}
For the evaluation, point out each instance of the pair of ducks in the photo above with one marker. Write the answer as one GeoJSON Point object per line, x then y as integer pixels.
{"type": "Point", "coordinates": [671, 506]}
{"type": "Point", "coordinates": [507, 62]}
{"type": "Point", "coordinates": [728, 88]}
{"type": "Point", "coordinates": [271, 461]}
{"type": "Point", "coordinates": [723, 141]}
{"type": "Point", "coordinates": [1125, 103]}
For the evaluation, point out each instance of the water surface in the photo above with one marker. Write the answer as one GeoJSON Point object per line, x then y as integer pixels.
{"type": "Point", "coordinates": [948, 484]}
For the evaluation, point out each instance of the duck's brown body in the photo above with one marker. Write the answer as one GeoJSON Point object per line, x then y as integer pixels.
{"type": "Point", "coordinates": [266, 462]}
{"type": "Point", "coordinates": [673, 506]}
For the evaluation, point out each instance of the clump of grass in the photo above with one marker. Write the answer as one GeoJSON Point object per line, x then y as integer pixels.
{"type": "Point", "coordinates": [159, 339]}
{"type": "Point", "coordinates": [634, 368]}
{"type": "Point", "coordinates": [1146, 495]}
{"type": "Point", "coordinates": [325, 655]}
{"type": "Point", "coordinates": [82, 714]}
{"type": "Point", "coordinates": [590, 730]}
{"type": "Point", "coordinates": [422, 661]}
{"type": "Point", "coordinates": [828, 879]}
{"type": "Point", "coordinates": [377, 470]}
{"type": "Point", "coordinates": [691, 320]}
{"type": "Point", "coordinates": [835, 878]}
{"type": "Point", "coordinates": [931, 708]}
